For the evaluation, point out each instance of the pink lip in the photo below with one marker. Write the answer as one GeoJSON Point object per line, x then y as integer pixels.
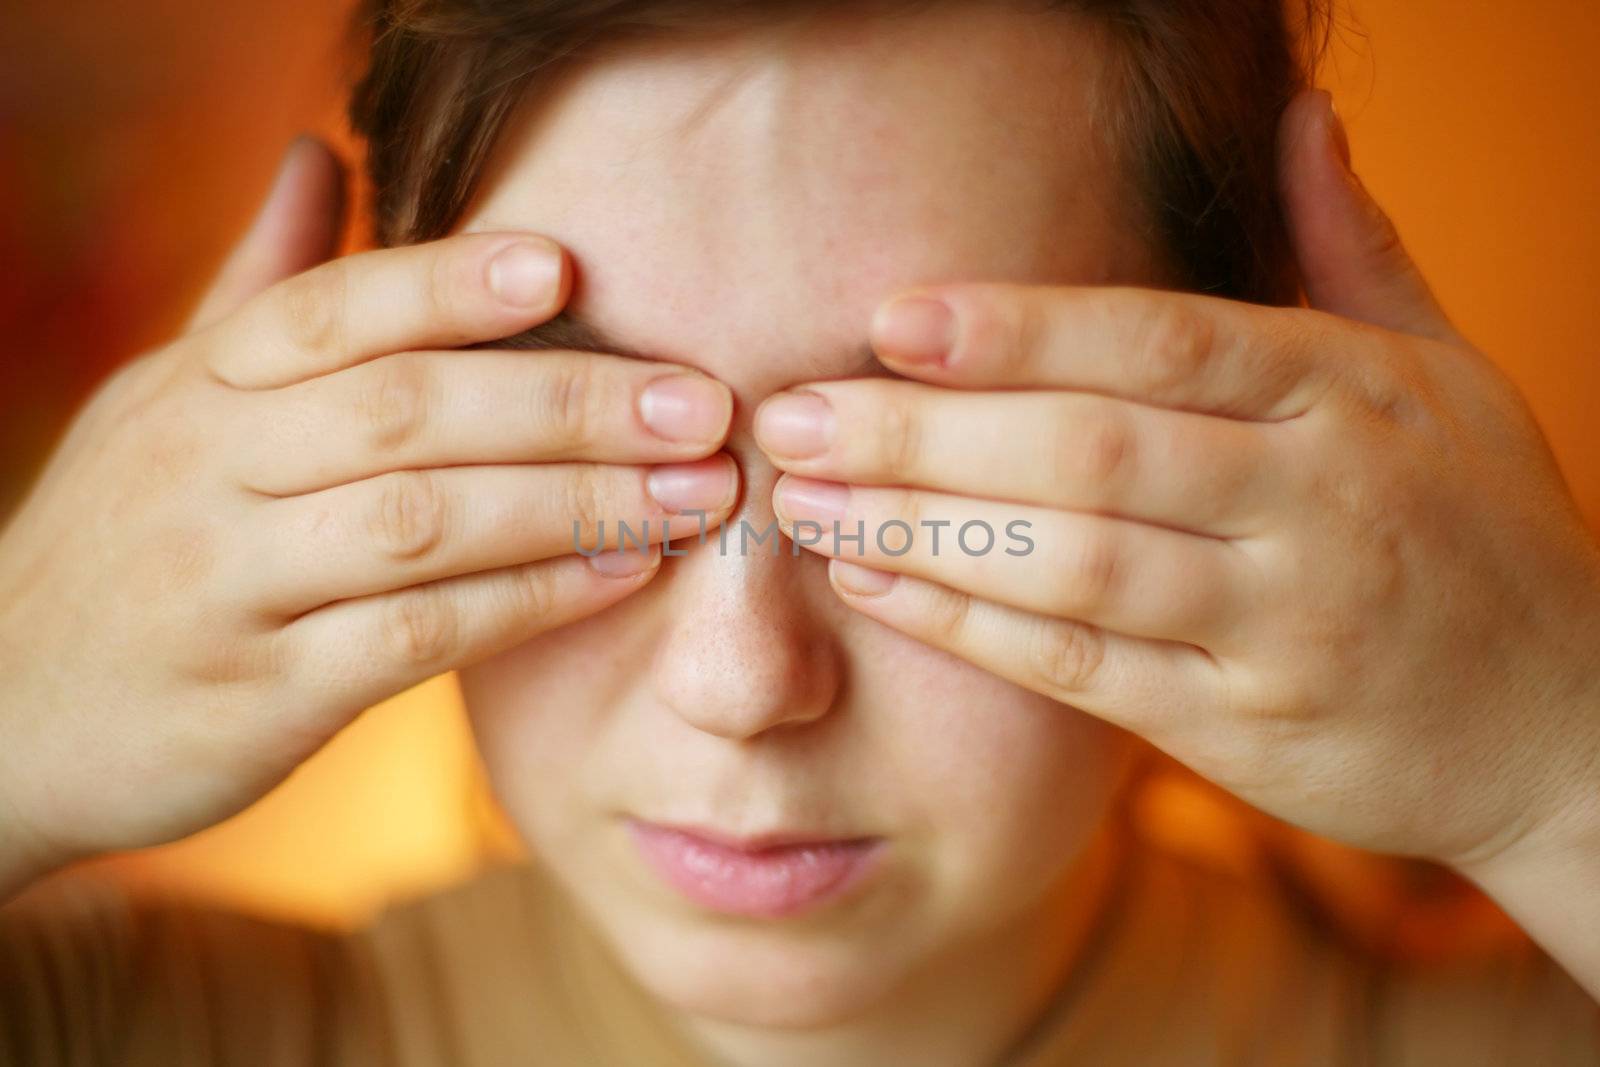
{"type": "Point", "coordinates": [767, 877]}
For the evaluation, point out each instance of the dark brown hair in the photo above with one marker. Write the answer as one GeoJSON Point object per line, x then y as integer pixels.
{"type": "Point", "coordinates": [1198, 87]}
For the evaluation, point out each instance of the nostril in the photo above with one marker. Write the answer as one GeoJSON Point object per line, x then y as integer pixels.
{"type": "Point", "coordinates": [751, 659]}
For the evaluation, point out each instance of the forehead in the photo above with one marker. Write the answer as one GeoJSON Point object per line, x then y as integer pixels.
{"type": "Point", "coordinates": [741, 202]}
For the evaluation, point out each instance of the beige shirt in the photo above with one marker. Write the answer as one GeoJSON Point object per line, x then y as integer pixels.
{"type": "Point", "coordinates": [1186, 964]}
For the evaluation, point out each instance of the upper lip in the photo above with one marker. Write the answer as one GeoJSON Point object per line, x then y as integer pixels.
{"type": "Point", "coordinates": [754, 842]}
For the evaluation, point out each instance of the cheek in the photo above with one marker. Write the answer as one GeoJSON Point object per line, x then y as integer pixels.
{"type": "Point", "coordinates": [1006, 784]}
{"type": "Point", "coordinates": [539, 713]}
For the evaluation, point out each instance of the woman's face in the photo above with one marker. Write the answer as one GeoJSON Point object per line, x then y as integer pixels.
{"type": "Point", "coordinates": [741, 205]}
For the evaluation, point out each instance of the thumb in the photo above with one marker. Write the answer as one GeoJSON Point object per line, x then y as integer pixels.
{"type": "Point", "coordinates": [298, 227]}
{"type": "Point", "coordinates": [1352, 261]}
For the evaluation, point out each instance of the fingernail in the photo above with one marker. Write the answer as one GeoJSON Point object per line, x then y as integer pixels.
{"type": "Point", "coordinates": [526, 275]}
{"type": "Point", "coordinates": [706, 486]}
{"type": "Point", "coordinates": [1337, 131]}
{"type": "Point", "coordinates": [686, 407]}
{"type": "Point", "coordinates": [914, 329]}
{"type": "Point", "coordinates": [623, 562]}
{"type": "Point", "coordinates": [806, 498]}
{"type": "Point", "coordinates": [795, 425]}
{"type": "Point", "coordinates": [862, 581]}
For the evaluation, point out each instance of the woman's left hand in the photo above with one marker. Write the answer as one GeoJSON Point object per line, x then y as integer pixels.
{"type": "Point", "coordinates": [1323, 556]}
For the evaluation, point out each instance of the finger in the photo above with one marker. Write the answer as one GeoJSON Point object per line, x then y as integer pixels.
{"type": "Point", "coordinates": [440, 409]}
{"type": "Point", "coordinates": [1138, 684]}
{"type": "Point", "coordinates": [1077, 451]}
{"type": "Point", "coordinates": [1351, 258]}
{"type": "Point", "coordinates": [297, 227]}
{"type": "Point", "coordinates": [412, 527]}
{"type": "Point", "coordinates": [355, 653]}
{"type": "Point", "coordinates": [1139, 580]}
{"type": "Point", "coordinates": [1173, 350]}
{"type": "Point", "coordinates": [444, 294]}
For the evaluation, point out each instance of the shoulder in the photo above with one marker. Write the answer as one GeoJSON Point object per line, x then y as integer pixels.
{"type": "Point", "coordinates": [92, 973]}
{"type": "Point", "coordinates": [1258, 956]}
{"type": "Point", "coordinates": [1512, 1005]}
{"type": "Point", "coordinates": [495, 970]}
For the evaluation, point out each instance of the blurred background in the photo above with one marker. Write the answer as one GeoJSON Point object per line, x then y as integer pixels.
{"type": "Point", "coordinates": [136, 140]}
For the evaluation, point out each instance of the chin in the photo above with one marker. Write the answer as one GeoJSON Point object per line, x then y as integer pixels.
{"type": "Point", "coordinates": [806, 971]}
{"type": "Point", "coordinates": [753, 976]}
{"type": "Point", "coordinates": [812, 969]}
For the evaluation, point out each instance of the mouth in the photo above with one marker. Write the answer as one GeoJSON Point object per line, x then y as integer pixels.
{"type": "Point", "coordinates": [765, 876]}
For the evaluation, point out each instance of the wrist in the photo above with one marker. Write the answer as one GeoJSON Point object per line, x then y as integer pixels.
{"type": "Point", "coordinates": [1550, 886]}
{"type": "Point", "coordinates": [1547, 876]}
{"type": "Point", "coordinates": [1567, 840]}
{"type": "Point", "coordinates": [24, 856]}
{"type": "Point", "coordinates": [1550, 762]}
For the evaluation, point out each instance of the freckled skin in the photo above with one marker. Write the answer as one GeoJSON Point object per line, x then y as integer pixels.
{"type": "Point", "coordinates": [741, 204]}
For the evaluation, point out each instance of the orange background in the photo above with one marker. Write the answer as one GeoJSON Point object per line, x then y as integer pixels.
{"type": "Point", "coordinates": [136, 140]}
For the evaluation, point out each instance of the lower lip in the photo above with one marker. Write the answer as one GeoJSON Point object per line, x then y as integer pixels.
{"type": "Point", "coordinates": [766, 883]}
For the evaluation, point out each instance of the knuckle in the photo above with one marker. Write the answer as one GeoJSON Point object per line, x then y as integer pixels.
{"type": "Point", "coordinates": [567, 404]}
{"type": "Point", "coordinates": [1396, 395]}
{"type": "Point", "coordinates": [946, 615]}
{"type": "Point", "coordinates": [1298, 341]}
{"type": "Point", "coordinates": [132, 385]}
{"type": "Point", "coordinates": [1013, 330]}
{"type": "Point", "coordinates": [1384, 244]}
{"type": "Point", "coordinates": [906, 505]}
{"type": "Point", "coordinates": [312, 307]}
{"type": "Point", "coordinates": [1092, 580]}
{"type": "Point", "coordinates": [534, 592]}
{"type": "Point", "coordinates": [420, 626]}
{"type": "Point", "coordinates": [1065, 657]}
{"type": "Point", "coordinates": [438, 289]}
{"type": "Point", "coordinates": [1097, 451]}
{"type": "Point", "coordinates": [1174, 343]}
{"type": "Point", "coordinates": [412, 516]}
{"type": "Point", "coordinates": [1107, 449]}
{"type": "Point", "coordinates": [1272, 707]}
{"type": "Point", "coordinates": [899, 438]}
{"type": "Point", "coordinates": [452, 283]}
{"type": "Point", "coordinates": [236, 662]}
{"type": "Point", "coordinates": [586, 497]}
{"type": "Point", "coordinates": [394, 404]}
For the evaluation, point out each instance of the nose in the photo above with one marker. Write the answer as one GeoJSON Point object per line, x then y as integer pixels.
{"type": "Point", "coordinates": [747, 649]}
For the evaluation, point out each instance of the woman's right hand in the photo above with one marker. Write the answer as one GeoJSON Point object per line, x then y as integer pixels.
{"type": "Point", "coordinates": [304, 506]}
